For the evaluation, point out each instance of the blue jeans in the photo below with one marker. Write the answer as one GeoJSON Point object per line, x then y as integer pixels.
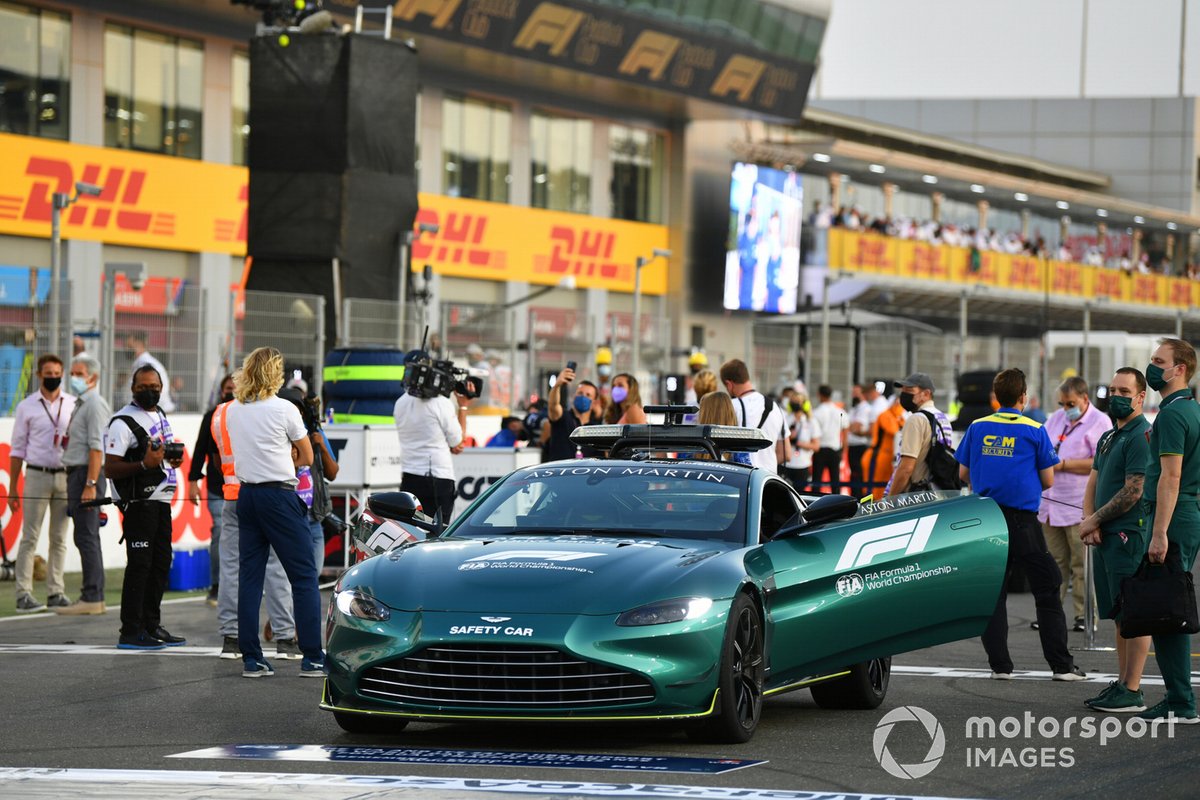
{"type": "Point", "coordinates": [318, 543]}
{"type": "Point", "coordinates": [275, 518]}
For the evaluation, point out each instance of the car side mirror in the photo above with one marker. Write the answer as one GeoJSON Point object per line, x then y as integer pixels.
{"type": "Point", "coordinates": [829, 508]}
{"type": "Point", "coordinates": [402, 507]}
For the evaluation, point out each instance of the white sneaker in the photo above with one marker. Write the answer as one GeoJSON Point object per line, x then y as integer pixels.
{"type": "Point", "coordinates": [1076, 674]}
{"type": "Point", "coordinates": [1002, 676]}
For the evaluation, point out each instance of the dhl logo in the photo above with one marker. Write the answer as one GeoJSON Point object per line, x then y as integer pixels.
{"type": "Point", "coordinates": [1024, 274]}
{"type": "Point", "coordinates": [582, 252]}
{"type": "Point", "coordinates": [928, 262]}
{"type": "Point", "coordinates": [1145, 289]}
{"type": "Point", "coordinates": [1181, 293]}
{"type": "Point", "coordinates": [1068, 279]}
{"type": "Point", "coordinates": [872, 254]}
{"type": "Point", "coordinates": [458, 240]}
{"type": "Point", "coordinates": [230, 230]}
{"type": "Point", "coordinates": [115, 208]}
{"type": "Point", "coordinates": [1107, 284]}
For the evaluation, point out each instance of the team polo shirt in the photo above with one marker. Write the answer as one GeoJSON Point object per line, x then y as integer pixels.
{"type": "Point", "coordinates": [1005, 452]}
{"type": "Point", "coordinates": [1121, 452]}
{"type": "Point", "coordinates": [1176, 432]}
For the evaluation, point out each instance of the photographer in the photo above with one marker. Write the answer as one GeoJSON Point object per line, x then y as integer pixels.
{"type": "Point", "coordinates": [137, 444]}
{"type": "Point", "coordinates": [310, 486]}
{"type": "Point", "coordinates": [431, 429]}
{"type": "Point", "coordinates": [269, 444]}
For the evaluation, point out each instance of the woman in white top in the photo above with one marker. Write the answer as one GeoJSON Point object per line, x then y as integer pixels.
{"type": "Point", "coordinates": [806, 434]}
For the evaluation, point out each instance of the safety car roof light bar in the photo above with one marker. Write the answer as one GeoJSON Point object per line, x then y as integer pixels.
{"type": "Point", "coordinates": [712, 439]}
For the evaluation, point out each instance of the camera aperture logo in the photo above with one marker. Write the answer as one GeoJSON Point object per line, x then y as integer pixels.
{"type": "Point", "coordinates": [915, 717]}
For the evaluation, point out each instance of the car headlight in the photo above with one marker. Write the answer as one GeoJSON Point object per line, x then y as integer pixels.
{"type": "Point", "coordinates": [667, 611]}
{"type": "Point", "coordinates": [357, 603]}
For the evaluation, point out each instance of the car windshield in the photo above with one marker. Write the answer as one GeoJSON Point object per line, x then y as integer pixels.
{"type": "Point", "coordinates": [647, 499]}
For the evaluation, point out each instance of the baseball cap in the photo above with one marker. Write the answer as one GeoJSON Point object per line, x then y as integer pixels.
{"type": "Point", "coordinates": [918, 379]}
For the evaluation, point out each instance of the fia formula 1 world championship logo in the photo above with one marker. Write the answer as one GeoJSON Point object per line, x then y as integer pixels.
{"type": "Point", "coordinates": [932, 728]}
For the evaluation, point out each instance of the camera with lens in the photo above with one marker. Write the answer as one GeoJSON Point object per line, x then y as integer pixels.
{"type": "Point", "coordinates": [427, 378]}
{"type": "Point", "coordinates": [173, 451]}
{"type": "Point", "coordinates": [309, 407]}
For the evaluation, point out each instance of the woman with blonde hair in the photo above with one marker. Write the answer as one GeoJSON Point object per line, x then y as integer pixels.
{"type": "Point", "coordinates": [626, 406]}
{"type": "Point", "coordinates": [704, 383]}
{"type": "Point", "coordinates": [716, 408]}
{"type": "Point", "coordinates": [269, 443]}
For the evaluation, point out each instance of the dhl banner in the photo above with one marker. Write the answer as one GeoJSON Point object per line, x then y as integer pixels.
{"type": "Point", "coordinates": [884, 255]}
{"type": "Point", "coordinates": [494, 241]}
{"type": "Point", "coordinates": [179, 204]}
{"type": "Point", "coordinates": [146, 200]}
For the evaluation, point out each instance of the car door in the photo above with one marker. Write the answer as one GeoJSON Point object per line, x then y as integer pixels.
{"type": "Point", "coordinates": [889, 582]}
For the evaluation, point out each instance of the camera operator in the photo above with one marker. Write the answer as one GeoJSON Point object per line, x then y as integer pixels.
{"type": "Point", "coordinates": [138, 442]}
{"type": "Point", "coordinates": [431, 429]}
{"type": "Point", "coordinates": [310, 486]}
{"type": "Point", "coordinates": [562, 421]}
{"type": "Point", "coordinates": [269, 444]}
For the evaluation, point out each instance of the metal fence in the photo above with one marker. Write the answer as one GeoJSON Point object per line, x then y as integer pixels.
{"type": "Point", "coordinates": [294, 324]}
{"type": "Point", "coordinates": [26, 332]}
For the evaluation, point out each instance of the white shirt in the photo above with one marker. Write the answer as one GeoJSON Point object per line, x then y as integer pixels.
{"type": "Point", "coordinates": [861, 414]}
{"type": "Point", "coordinates": [427, 430]}
{"type": "Point", "coordinates": [261, 435]}
{"type": "Point", "coordinates": [832, 421]}
{"type": "Point", "coordinates": [807, 429]}
{"type": "Point", "coordinates": [119, 438]}
{"type": "Point", "coordinates": [39, 428]}
{"type": "Point", "coordinates": [749, 409]}
{"type": "Point", "coordinates": [145, 359]}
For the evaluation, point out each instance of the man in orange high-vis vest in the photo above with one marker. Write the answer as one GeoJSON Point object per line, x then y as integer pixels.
{"type": "Point", "coordinates": [278, 590]}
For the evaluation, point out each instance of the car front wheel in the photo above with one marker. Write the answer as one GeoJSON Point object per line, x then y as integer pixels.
{"type": "Point", "coordinates": [739, 696]}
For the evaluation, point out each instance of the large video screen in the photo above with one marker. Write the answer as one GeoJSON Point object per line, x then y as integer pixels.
{"type": "Point", "coordinates": [762, 260]}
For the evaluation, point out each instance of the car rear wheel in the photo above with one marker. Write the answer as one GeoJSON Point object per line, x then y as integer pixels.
{"type": "Point", "coordinates": [865, 687]}
{"type": "Point", "coordinates": [368, 723]}
{"type": "Point", "coordinates": [739, 698]}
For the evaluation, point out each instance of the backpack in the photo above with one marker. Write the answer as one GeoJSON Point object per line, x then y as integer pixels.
{"type": "Point", "coordinates": [140, 485]}
{"type": "Point", "coordinates": [943, 466]}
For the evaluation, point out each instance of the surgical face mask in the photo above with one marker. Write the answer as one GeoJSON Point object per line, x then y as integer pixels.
{"type": "Point", "coordinates": [52, 384]}
{"type": "Point", "coordinates": [1119, 407]}
{"type": "Point", "coordinates": [582, 403]}
{"type": "Point", "coordinates": [1073, 413]}
{"type": "Point", "coordinates": [619, 393]}
{"type": "Point", "coordinates": [909, 402]}
{"type": "Point", "coordinates": [78, 384]}
{"type": "Point", "coordinates": [147, 398]}
{"type": "Point", "coordinates": [1154, 377]}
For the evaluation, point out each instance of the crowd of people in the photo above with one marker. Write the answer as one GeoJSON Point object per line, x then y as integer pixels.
{"type": "Point", "coordinates": [981, 239]}
{"type": "Point", "coordinates": [1111, 481]}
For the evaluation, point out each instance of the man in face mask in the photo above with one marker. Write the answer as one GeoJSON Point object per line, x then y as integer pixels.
{"type": "Point", "coordinates": [143, 479]}
{"type": "Point", "coordinates": [1172, 510]}
{"type": "Point", "coordinates": [914, 439]}
{"type": "Point", "coordinates": [1114, 526]}
{"type": "Point", "coordinates": [206, 463]}
{"type": "Point", "coordinates": [84, 459]}
{"type": "Point", "coordinates": [1074, 430]}
{"type": "Point", "coordinates": [563, 421]}
{"type": "Point", "coordinates": [39, 434]}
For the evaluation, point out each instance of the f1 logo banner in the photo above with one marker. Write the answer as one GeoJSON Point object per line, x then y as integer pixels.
{"type": "Point", "coordinates": [910, 536]}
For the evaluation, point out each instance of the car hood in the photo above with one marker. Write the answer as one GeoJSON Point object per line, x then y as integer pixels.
{"type": "Point", "coordinates": [569, 575]}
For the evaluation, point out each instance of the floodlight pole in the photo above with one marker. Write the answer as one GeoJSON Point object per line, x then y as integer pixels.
{"type": "Point", "coordinates": [59, 201]}
{"type": "Point", "coordinates": [637, 305]}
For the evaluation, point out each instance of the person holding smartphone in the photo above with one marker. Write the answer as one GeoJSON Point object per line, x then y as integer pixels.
{"type": "Point", "coordinates": [562, 419]}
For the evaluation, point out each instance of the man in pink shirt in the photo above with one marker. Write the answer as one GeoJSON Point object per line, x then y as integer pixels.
{"type": "Point", "coordinates": [1074, 429]}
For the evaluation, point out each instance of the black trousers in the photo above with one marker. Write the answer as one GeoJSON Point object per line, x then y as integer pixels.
{"type": "Point", "coordinates": [434, 493]}
{"type": "Point", "coordinates": [1027, 548]}
{"type": "Point", "coordinates": [827, 460]}
{"type": "Point", "coordinates": [148, 553]}
{"type": "Point", "coordinates": [798, 478]}
{"type": "Point", "coordinates": [857, 484]}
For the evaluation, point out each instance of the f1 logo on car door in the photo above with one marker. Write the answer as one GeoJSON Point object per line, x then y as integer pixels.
{"type": "Point", "coordinates": [910, 535]}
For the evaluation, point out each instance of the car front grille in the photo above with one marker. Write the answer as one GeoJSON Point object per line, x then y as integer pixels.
{"type": "Point", "coordinates": [509, 676]}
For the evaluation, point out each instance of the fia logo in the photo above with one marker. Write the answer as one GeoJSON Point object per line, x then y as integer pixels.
{"type": "Point", "coordinates": [909, 536]}
{"type": "Point", "coordinates": [850, 585]}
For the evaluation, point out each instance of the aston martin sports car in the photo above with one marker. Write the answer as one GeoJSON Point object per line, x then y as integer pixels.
{"type": "Point", "coordinates": [659, 583]}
